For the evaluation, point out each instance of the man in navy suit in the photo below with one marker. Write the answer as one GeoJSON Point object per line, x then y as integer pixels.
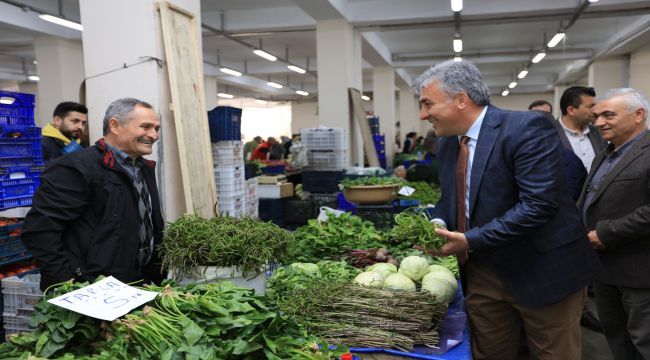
{"type": "Point", "coordinates": [526, 259]}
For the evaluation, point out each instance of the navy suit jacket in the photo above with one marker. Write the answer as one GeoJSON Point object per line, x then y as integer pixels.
{"type": "Point", "coordinates": [523, 223]}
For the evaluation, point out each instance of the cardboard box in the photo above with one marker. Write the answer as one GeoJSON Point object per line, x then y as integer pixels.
{"type": "Point", "coordinates": [277, 191]}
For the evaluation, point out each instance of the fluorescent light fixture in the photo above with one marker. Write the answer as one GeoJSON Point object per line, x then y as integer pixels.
{"type": "Point", "coordinates": [505, 93]}
{"type": "Point", "coordinates": [273, 84]}
{"type": "Point", "coordinates": [5, 100]}
{"type": "Point", "coordinates": [33, 78]}
{"type": "Point", "coordinates": [35, 62]}
{"type": "Point", "coordinates": [458, 45]}
{"type": "Point", "coordinates": [264, 54]}
{"type": "Point", "coordinates": [591, 1]}
{"type": "Point", "coordinates": [225, 96]}
{"type": "Point", "coordinates": [366, 98]}
{"type": "Point", "coordinates": [556, 39]}
{"type": "Point", "coordinates": [230, 71]}
{"type": "Point", "coordinates": [303, 93]}
{"type": "Point", "coordinates": [62, 22]}
{"type": "Point", "coordinates": [538, 57]}
{"type": "Point", "coordinates": [456, 5]}
{"type": "Point", "coordinates": [457, 58]}
{"type": "Point", "coordinates": [260, 101]}
{"type": "Point", "coordinates": [512, 84]}
{"type": "Point", "coordinates": [522, 74]}
{"type": "Point", "coordinates": [299, 70]}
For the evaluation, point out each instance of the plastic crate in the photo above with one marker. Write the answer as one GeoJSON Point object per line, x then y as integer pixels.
{"type": "Point", "coordinates": [271, 210]}
{"type": "Point", "coordinates": [229, 180]}
{"type": "Point", "coordinates": [20, 294]}
{"type": "Point", "coordinates": [320, 160]}
{"type": "Point", "coordinates": [234, 206]}
{"type": "Point", "coordinates": [20, 111]}
{"type": "Point", "coordinates": [324, 139]}
{"type": "Point", "coordinates": [9, 231]}
{"type": "Point", "coordinates": [224, 123]}
{"type": "Point", "coordinates": [272, 170]}
{"type": "Point", "coordinates": [19, 152]}
{"type": "Point", "coordinates": [16, 325]}
{"type": "Point", "coordinates": [345, 205]}
{"type": "Point", "coordinates": [12, 247]}
{"type": "Point", "coordinates": [321, 182]}
{"type": "Point", "coordinates": [382, 216]}
{"type": "Point", "coordinates": [227, 153]}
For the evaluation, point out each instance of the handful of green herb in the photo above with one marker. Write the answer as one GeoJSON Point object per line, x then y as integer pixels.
{"type": "Point", "coordinates": [415, 229]}
{"type": "Point", "coordinates": [371, 180]}
{"type": "Point", "coordinates": [247, 244]}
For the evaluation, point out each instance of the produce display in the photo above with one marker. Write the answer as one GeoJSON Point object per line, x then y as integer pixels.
{"type": "Point", "coordinates": [415, 229]}
{"type": "Point", "coordinates": [247, 244]}
{"type": "Point", "coordinates": [334, 238]}
{"type": "Point", "coordinates": [208, 321]}
{"type": "Point", "coordinates": [424, 192]}
{"type": "Point", "coordinates": [364, 258]}
{"type": "Point", "coordinates": [298, 275]}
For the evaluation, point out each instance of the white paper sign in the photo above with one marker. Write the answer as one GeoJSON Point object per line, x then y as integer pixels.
{"type": "Point", "coordinates": [107, 299]}
{"type": "Point", "coordinates": [406, 191]}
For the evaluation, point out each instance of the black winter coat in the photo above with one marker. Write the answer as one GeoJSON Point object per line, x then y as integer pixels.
{"type": "Point", "coordinates": [84, 220]}
{"type": "Point", "coordinates": [52, 148]}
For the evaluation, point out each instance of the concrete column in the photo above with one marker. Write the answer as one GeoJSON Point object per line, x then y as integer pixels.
{"type": "Point", "coordinates": [408, 112]}
{"type": "Point", "coordinates": [210, 84]}
{"type": "Point", "coordinates": [607, 73]}
{"type": "Point", "coordinates": [383, 89]}
{"type": "Point", "coordinates": [304, 115]}
{"type": "Point", "coordinates": [60, 66]}
{"type": "Point", "coordinates": [106, 50]}
{"type": "Point", "coordinates": [639, 65]}
{"type": "Point", "coordinates": [338, 50]}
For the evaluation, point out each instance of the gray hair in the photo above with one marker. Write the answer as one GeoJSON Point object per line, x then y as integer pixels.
{"type": "Point", "coordinates": [455, 77]}
{"type": "Point", "coordinates": [634, 99]}
{"type": "Point", "coordinates": [122, 110]}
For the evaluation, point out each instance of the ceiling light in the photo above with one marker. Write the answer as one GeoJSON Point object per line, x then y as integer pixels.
{"type": "Point", "coordinates": [457, 58]}
{"type": "Point", "coordinates": [62, 22]}
{"type": "Point", "coordinates": [522, 74]}
{"type": "Point", "coordinates": [33, 78]}
{"type": "Point", "coordinates": [556, 39]}
{"type": "Point", "coordinates": [366, 98]}
{"type": "Point", "coordinates": [275, 85]}
{"type": "Point", "coordinates": [456, 5]}
{"type": "Point", "coordinates": [230, 71]}
{"type": "Point", "coordinates": [5, 100]}
{"type": "Point", "coordinates": [264, 54]}
{"type": "Point", "coordinates": [303, 93]}
{"type": "Point", "coordinates": [591, 1]}
{"type": "Point", "coordinates": [260, 101]}
{"type": "Point", "coordinates": [299, 70]}
{"type": "Point", "coordinates": [226, 96]}
{"type": "Point", "coordinates": [512, 84]}
{"type": "Point", "coordinates": [538, 57]}
{"type": "Point", "coordinates": [35, 62]}
{"type": "Point", "coordinates": [458, 45]}
{"type": "Point", "coordinates": [505, 93]}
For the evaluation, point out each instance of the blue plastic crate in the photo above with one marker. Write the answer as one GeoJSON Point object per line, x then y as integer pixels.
{"type": "Point", "coordinates": [224, 123]}
{"type": "Point", "coordinates": [275, 169]}
{"type": "Point", "coordinates": [20, 111]}
{"type": "Point", "coordinates": [321, 182]}
{"type": "Point", "coordinates": [20, 152]}
{"type": "Point", "coordinates": [12, 248]}
{"type": "Point", "coordinates": [345, 205]}
{"type": "Point", "coordinates": [10, 232]}
{"type": "Point", "coordinates": [16, 132]}
{"type": "Point", "coordinates": [19, 188]}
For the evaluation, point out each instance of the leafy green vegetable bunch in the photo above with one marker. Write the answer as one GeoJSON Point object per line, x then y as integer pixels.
{"type": "Point", "coordinates": [371, 180]}
{"type": "Point", "coordinates": [424, 192]}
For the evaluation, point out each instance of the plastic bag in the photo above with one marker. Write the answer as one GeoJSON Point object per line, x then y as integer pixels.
{"type": "Point", "coordinates": [325, 211]}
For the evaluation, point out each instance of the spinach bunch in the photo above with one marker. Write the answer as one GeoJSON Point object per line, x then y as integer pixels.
{"type": "Point", "coordinates": [371, 180]}
{"type": "Point", "coordinates": [332, 239]}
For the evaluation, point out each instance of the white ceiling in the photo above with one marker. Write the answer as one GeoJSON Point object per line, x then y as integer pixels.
{"type": "Point", "coordinates": [500, 36]}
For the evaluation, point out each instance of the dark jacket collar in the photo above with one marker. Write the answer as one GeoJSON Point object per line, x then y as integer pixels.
{"type": "Point", "coordinates": [109, 158]}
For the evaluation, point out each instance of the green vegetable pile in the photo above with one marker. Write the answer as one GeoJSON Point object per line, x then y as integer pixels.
{"type": "Point", "coordinates": [298, 275]}
{"type": "Point", "coordinates": [345, 313]}
{"type": "Point", "coordinates": [449, 262]}
{"type": "Point", "coordinates": [210, 321]}
{"type": "Point", "coordinates": [424, 192]}
{"type": "Point", "coordinates": [371, 180]}
{"type": "Point", "coordinates": [332, 239]}
{"type": "Point", "coordinates": [247, 244]}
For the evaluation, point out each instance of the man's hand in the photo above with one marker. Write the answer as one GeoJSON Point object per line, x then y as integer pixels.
{"type": "Point", "coordinates": [456, 243]}
{"type": "Point", "coordinates": [595, 241]}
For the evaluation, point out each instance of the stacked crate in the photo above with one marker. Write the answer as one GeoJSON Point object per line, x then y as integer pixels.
{"type": "Point", "coordinates": [21, 156]}
{"type": "Point", "coordinates": [228, 159]}
{"type": "Point", "coordinates": [252, 201]}
{"type": "Point", "coordinates": [20, 294]}
{"type": "Point", "coordinates": [327, 155]}
{"type": "Point", "coordinates": [379, 141]}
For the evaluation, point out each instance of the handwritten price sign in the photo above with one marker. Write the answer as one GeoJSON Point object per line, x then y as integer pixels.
{"type": "Point", "coordinates": [107, 299]}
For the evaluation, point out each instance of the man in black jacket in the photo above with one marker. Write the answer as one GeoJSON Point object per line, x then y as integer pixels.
{"type": "Point", "coordinates": [97, 211]}
{"type": "Point", "coordinates": [62, 135]}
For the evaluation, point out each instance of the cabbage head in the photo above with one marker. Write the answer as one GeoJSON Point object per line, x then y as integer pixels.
{"type": "Point", "coordinates": [399, 281]}
{"type": "Point", "coordinates": [414, 267]}
{"type": "Point", "coordinates": [308, 269]}
{"type": "Point", "coordinates": [441, 289]}
{"type": "Point", "coordinates": [441, 272]}
{"type": "Point", "coordinates": [369, 278]}
{"type": "Point", "coordinates": [382, 268]}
